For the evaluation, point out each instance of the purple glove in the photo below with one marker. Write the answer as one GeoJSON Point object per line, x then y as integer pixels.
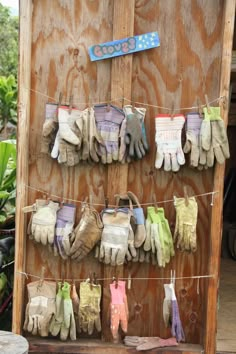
{"type": "Point", "coordinates": [64, 227]}
{"type": "Point", "coordinates": [108, 124]}
{"type": "Point", "coordinates": [176, 327]}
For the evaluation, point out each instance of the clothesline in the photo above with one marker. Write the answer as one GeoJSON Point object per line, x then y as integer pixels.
{"type": "Point", "coordinates": [110, 205]}
{"type": "Point", "coordinates": [6, 265]}
{"type": "Point", "coordinates": [112, 278]}
{"type": "Point", "coordinates": [123, 99]}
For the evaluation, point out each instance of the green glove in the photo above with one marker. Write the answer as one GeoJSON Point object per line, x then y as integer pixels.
{"type": "Point", "coordinates": [186, 223]}
{"type": "Point", "coordinates": [68, 326]}
{"type": "Point", "coordinates": [56, 323]}
{"type": "Point", "coordinates": [89, 307]}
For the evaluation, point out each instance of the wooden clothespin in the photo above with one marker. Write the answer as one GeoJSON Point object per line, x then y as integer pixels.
{"type": "Point", "coordinates": [207, 104]}
{"type": "Point", "coordinates": [60, 99]}
{"type": "Point", "coordinates": [70, 103]}
{"type": "Point", "coordinates": [129, 281]}
{"type": "Point", "coordinates": [199, 107]}
{"type": "Point", "coordinates": [115, 280]}
{"type": "Point", "coordinates": [108, 103]}
{"type": "Point", "coordinates": [186, 196]}
{"type": "Point", "coordinates": [155, 202]}
{"type": "Point", "coordinates": [91, 200]}
{"type": "Point", "coordinates": [42, 276]}
{"type": "Point", "coordinates": [91, 280]}
{"type": "Point", "coordinates": [106, 202]}
{"type": "Point", "coordinates": [95, 278]}
{"type": "Point", "coordinates": [172, 111]}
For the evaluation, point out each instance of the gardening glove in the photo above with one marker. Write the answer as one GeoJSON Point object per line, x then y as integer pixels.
{"type": "Point", "coordinates": [42, 223]}
{"type": "Point", "coordinates": [57, 319]}
{"type": "Point", "coordinates": [75, 304]}
{"type": "Point", "coordinates": [206, 149]}
{"type": "Point", "coordinates": [219, 140]}
{"type": "Point", "coordinates": [40, 308]}
{"type": "Point", "coordinates": [167, 305]}
{"type": "Point", "coordinates": [118, 309]}
{"type": "Point", "coordinates": [137, 144]}
{"type": "Point", "coordinates": [70, 125]}
{"type": "Point", "coordinates": [89, 307]}
{"type": "Point", "coordinates": [108, 122]}
{"type": "Point", "coordinates": [64, 228]}
{"type": "Point", "coordinates": [114, 241]}
{"type": "Point", "coordinates": [87, 234]}
{"type": "Point", "coordinates": [50, 128]}
{"type": "Point", "coordinates": [68, 327]}
{"type": "Point", "coordinates": [176, 325]}
{"type": "Point", "coordinates": [186, 223]}
{"type": "Point", "coordinates": [95, 139]}
{"type": "Point", "coordinates": [140, 231]}
{"type": "Point", "coordinates": [194, 122]}
{"type": "Point", "coordinates": [168, 142]}
{"type": "Point", "coordinates": [155, 342]}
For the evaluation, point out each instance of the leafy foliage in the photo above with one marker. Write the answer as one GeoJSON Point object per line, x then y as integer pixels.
{"type": "Point", "coordinates": [8, 101]}
{"type": "Point", "coordinates": [7, 179]}
{"type": "Point", "coordinates": [9, 26]}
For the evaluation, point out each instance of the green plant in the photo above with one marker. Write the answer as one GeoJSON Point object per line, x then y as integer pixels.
{"type": "Point", "coordinates": [8, 101]}
{"type": "Point", "coordinates": [7, 181]}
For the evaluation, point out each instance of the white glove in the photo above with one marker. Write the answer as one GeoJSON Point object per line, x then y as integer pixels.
{"type": "Point", "coordinates": [168, 141]}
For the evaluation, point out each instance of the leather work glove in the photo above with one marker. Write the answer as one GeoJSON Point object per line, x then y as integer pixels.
{"type": "Point", "coordinates": [168, 142]}
{"type": "Point", "coordinates": [186, 223]}
{"type": "Point", "coordinates": [89, 307]}
{"type": "Point", "coordinates": [194, 122]}
{"type": "Point", "coordinates": [114, 241]}
{"type": "Point", "coordinates": [87, 233]}
{"type": "Point", "coordinates": [57, 319]}
{"type": "Point", "coordinates": [108, 122]}
{"type": "Point", "coordinates": [43, 221]}
{"type": "Point", "coordinates": [40, 308]}
{"type": "Point", "coordinates": [50, 128]}
{"type": "Point", "coordinates": [64, 229]}
{"type": "Point", "coordinates": [68, 327]}
{"type": "Point", "coordinates": [134, 137]}
{"type": "Point", "coordinates": [219, 140]}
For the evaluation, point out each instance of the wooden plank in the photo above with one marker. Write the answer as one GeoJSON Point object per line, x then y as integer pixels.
{"type": "Point", "coordinates": [121, 78]}
{"type": "Point", "coordinates": [22, 158]}
{"type": "Point", "coordinates": [97, 347]}
{"type": "Point", "coordinates": [216, 217]}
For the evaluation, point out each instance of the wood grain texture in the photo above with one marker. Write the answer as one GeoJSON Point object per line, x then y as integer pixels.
{"type": "Point", "coordinates": [185, 66]}
{"type": "Point", "coordinates": [216, 216]}
{"type": "Point", "coordinates": [22, 159]}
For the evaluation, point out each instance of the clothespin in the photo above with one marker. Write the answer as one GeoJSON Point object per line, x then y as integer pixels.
{"type": "Point", "coordinates": [199, 107]}
{"type": "Point", "coordinates": [60, 99]}
{"type": "Point", "coordinates": [115, 279]}
{"type": "Point", "coordinates": [106, 202]}
{"type": "Point", "coordinates": [91, 280]}
{"type": "Point", "coordinates": [207, 104]}
{"type": "Point", "coordinates": [42, 276]}
{"type": "Point", "coordinates": [91, 200]}
{"type": "Point", "coordinates": [70, 103]}
{"type": "Point", "coordinates": [109, 103]}
{"type": "Point", "coordinates": [95, 278]}
{"type": "Point", "coordinates": [155, 202]}
{"type": "Point", "coordinates": [186, 196]}
{"type": "Point", "coordinates": [129, 281]}
{"type": "Point", "coordinates": [172, 111]}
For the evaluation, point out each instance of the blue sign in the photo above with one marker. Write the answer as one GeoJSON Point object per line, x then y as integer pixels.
{"type": "Point", "coordinates": [124, 46]}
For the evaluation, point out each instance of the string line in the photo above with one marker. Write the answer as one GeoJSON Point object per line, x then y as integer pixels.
{"type": "Point", "coordinates": [111, 205]}
{"type": "Point", "coordinates": [7, 265]}
{"type": "Point", "coordinates": [130, 101]}
{"type": "Point", "coordinates": [112, 278]}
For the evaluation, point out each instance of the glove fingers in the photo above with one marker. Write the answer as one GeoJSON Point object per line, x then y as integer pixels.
{"type": "Point", "coordinates": [159, 159]}
{"type": "Point", "coordinates": [167, 162]}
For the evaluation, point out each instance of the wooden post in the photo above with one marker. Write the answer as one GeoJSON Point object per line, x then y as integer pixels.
{"type": "Point", "coordinates": [22, 159]}
{"type": "Point", "coordinates": [121, 79]}
{"type": "Point", "coordinates": [218, 185]}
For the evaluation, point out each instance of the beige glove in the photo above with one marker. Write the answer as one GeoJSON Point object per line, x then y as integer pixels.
{"type": "Point", "coordinates": [87, 234]}
{"type": "Point", "coordinates": [89, 307]}
{"type": "Point", "coordinates": [186, 223]}
{"type": "Point", "coordinates": [50, 128]}
{"type": "Point", "coordinates": [40, 308]}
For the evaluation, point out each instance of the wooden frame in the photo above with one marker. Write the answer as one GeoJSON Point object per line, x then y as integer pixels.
{"type": "Point", "coordinates": [122, 77]}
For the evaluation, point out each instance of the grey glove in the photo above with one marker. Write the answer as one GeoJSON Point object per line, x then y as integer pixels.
{"type": "Point", "coordinates": [194, 122]}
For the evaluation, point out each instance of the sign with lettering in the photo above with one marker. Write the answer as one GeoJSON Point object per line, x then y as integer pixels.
{"type": "Point", "coordinates": [124, 46]}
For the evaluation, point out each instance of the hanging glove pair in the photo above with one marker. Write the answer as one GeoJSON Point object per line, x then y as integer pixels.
{"type": "Point", "coordinates": [171, 313]}
{"type": "Point", "coordinates": [186, 223]}
{"type": "Point", "coordinates": [133, 140]}
{"type": "Point", "coordinates": [89, 307]}
{"type": "Point", "coordinates": [168, 142]}
{"type": "Point", "coordinates": [159, 239]}
{"type": "Point", "coordinates": [206, 138]}
{"type": "Point", "coordinates": [119, 312]}
{"type": "Point", "coordinates": [40, 308]}
{"type": "Point", "coordinates": [63, 321]}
